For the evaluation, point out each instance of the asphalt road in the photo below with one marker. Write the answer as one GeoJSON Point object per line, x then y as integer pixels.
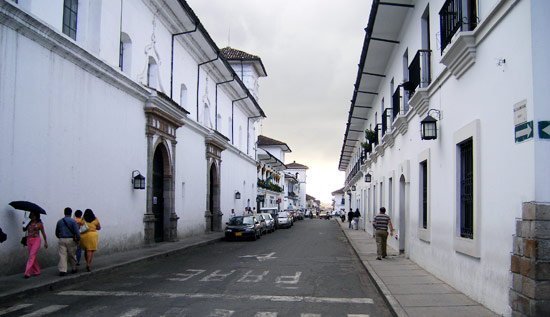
{"type": "Point", "coordinates": [308, 270]}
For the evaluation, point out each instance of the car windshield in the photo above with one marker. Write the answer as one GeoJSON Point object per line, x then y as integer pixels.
{"type": "Point", "coordinates": [282, 214]}
{"type": "Point", "coordinates": [235, 221]}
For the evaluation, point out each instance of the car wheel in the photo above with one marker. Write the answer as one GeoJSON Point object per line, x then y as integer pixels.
{"type": "Point", "coordinates": [254, 237]}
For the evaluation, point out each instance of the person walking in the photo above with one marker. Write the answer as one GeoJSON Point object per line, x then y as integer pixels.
{"type": "Point", "coordinates": [78, 219]}
{"type": "Point", "coordinates": [33, 229]}
{"type": "Point", "coordinates": [232, 214]}
{"type": "Point", "coordinates": [381, 223]}
{"type": "Point", "coordinates": [350, 218]}
{"type": "Point", "coordinates": [89, 238]}
{"type": "Point", "coordinates": [356, 216]}
{"type": "Point", "coordinates": [68, 234]}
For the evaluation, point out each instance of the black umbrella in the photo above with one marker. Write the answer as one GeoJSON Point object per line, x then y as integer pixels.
{"type": "Point", "coordinates": [27, 206]}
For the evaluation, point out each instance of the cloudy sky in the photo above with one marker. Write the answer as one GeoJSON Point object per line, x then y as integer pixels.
{"type": "Point", "coordinates": [310, 49]}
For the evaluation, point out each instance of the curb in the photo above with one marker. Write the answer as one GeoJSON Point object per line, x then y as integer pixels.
{"type": "Point", "coordinates": [393, 305]}
{"type": "Point", "coordinates": [74, 278]}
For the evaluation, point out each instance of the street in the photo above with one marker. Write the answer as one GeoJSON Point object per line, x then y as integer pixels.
{"type": "Point", "coordinates": [307, 270]}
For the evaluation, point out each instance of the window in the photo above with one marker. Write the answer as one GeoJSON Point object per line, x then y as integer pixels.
{"type": "Point", "coordinates": [390, 196]}
{"type": "Point", "coordinates": [183, 96]}
{"type": "Point", "coordinates": [424, 210]}
{"type": "Point", "coordinates": [466, 189]}
{"type": "Point", "coordinates": [152, 73]}
{"type": "Point", "coordinates": [424, 193]}
{"type": "Point", "coordinates": [456, 15]}
{"type": "Point", "coordinates": [125, 53]}
{"type": "Point", "coordinates": [70, 9]}
{"type": "Point", "coordinates": [467, 238]}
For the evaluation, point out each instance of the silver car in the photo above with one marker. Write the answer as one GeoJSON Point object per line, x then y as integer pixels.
{"type": "Point", "coordinates": [269, 221]}
{"type": "Point", "coordinates": [285, 219]}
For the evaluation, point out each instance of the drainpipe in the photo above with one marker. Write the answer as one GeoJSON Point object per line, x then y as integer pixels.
{"type": "Point", "coordinates": [198, 80]}
{"type": "Point", "coordinates": [172, 59]}
{"type": "Point", "coordinates": [248, 131]}
{"type": "Point", "coordinates": [233, 118]}
{"type": "Point", "coordinates": [217, 84]}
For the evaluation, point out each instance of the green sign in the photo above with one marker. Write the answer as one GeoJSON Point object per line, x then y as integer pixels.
{"type": "Point", "coordinates": [524, 131]}
{"type": "Point", "coordinates": [544, 129]}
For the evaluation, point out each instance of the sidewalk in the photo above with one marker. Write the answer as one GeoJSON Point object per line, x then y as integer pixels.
{"type": "Point", "coordinates": [409, 289]}
{"type": "Point", "coordinates": [16, 287]}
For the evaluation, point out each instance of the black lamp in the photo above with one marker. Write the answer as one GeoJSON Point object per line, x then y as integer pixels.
{"type": "Point", "coordinates": [368, 178]}
{"type": "Point", "coordinates": [349, 192]}
{"type": "Point", "coordinates": [237, 195]}
{"type": "Point", "coordinates": [353, 188]}
{"type": "Point", "coordinates": [428, 126]}
{"type": "Point", "coordinates": [138, 180]}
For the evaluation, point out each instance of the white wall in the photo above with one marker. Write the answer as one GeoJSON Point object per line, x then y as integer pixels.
{"type": "Point", "coordinates": [486, 93]}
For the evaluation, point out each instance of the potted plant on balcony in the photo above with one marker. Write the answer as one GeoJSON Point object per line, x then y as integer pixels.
{"type": "Point", "coordinates": [371, 136]}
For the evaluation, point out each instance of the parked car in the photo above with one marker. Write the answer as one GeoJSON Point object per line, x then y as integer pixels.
{"type": "Point", "coordinates": [274, 211]}
{"type": "Point", "coordinates": [243, 227]}
{"type": "Point", "coordinates": [300, 215]}
{"type": "Point", "coordinates": [269, 221]}
{"type": "Point", "coordinates": [263, 225]}
{"type": "Point", "coordinates": [285, 219]}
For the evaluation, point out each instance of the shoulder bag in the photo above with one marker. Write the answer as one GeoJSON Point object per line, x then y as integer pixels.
{"type": "Point", "coordinates": [83, 227]}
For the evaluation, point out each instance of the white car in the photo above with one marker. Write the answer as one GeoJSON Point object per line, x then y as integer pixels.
{"type": "Point", "coordinates": [285, 219]}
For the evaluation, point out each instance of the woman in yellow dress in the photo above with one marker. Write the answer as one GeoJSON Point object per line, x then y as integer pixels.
{"type": "Point", "coordinates": [88, 239]}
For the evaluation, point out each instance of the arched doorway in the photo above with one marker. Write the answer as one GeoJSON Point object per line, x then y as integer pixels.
{"type": "Point", "coordinates": [214, 198]}
{"type": "Point", "coordinates": [402, 214]}
{"type": "Point", "coordinates": [159, 189]}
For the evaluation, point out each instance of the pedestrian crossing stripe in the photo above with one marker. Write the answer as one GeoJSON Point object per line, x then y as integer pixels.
{"type": "Point", "coordinates": [137, 311]}
{"type": "Point", "coordinates": [305, 299]}
{"type": "Point", "coordinates": [45, 311]}
{"type": "Point", "coordinates": [13, 308]}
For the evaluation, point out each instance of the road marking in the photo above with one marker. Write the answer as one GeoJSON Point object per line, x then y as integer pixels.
{"type": "Point", "coordinates": [357, 315]}
{"type": "Point", "coordinates": [261, 257]}
{"type": "Point", "coordinates": [216, 276]}
{"type": "Point", "coordinates": [249, 278]}
{"type": "Point", "coordinates": [133, 312]}
{"type": "Point", "coordinates": [46, 310]}
{"type": "Point", "coordinates": [309, 315]}
{"type": "Point", "coordinates": [288, 279]}
{"type": "Point", "coordinates": [221, 313]}
{"type": "Point", "coordinates": [13, 308]}
{"type": "Point", "coordinates": [265, 314]}
{"type": "Point", "coordinates": [306, 299]}
{"type": "Point", "coordinates": [186, 276]}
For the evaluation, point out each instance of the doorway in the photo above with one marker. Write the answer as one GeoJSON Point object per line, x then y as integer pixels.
{"type": "Point", "coordinates": [214, 199]}
{"type": "Point", "coordinates": [158, 192]}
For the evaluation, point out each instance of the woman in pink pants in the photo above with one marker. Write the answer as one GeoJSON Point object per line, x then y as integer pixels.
{"type": "Point", "coordinates": [33, 243]}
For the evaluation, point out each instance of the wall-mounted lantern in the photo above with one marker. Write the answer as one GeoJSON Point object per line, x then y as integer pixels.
{"type": "Point", "coordinates": [368, 178]}
{"type": "Point", "coordinates": [349, 192]}
{"type": "Point", "coordinates": [353, 188]}
{"type": "Point", "coordinates": [237, 195]}
{"type": "Point", "coordinates": [428, 126]}
{"type": "Point", "coordinates": [138, 180]}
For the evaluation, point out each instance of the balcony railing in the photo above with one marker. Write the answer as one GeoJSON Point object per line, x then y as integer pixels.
{"type": "Point", "coordinates": [419, 72]}
{"type": "Point", "coordinates": [396, 99]}
{"type": "Point", "coordinates": [385, 119]}
{"type": "Point", "coordinates": [453, 17]}
{"type": "Point", "coordinates": [353, 171]}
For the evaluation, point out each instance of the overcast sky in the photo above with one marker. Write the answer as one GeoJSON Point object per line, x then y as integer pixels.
{"type": "Point", "coordinates": [310, 49]}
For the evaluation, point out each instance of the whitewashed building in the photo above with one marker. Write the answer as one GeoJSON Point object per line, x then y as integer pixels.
{"type": "Point", "coordinates": [296, 191]}
{"type": "Point", "coordinates": [271, 175]}
{"type": "Point", "coordinates": [480, 71]}
{"type": "Point", "coordinates": [95, 93]}
{"type": "Point", "coordinates": [339, 200]}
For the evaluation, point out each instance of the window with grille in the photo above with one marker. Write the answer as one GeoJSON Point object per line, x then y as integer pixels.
{"type": "Point", "coordinates": [466, 189]}
{"type": "Point", "coordinates": [424, 189]}
{"type": "Point", "coordinates": [70, 10]}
